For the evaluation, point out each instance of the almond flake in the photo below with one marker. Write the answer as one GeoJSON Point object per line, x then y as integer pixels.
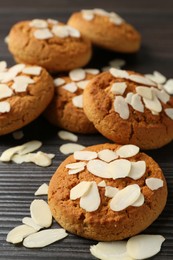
{"type": "Point", "coordinates": [42, 190]}
{"type": "Point", "coordinates": [154, 183]}
{"type": "Point", "coordinates": [65, 135]}
{"type": "Point", "coordinates": [19, 87]}
{"type": "Point", "coordinates": [38, 23]}
{"type": "Point", "coordinates": [4, 107]}
{"type": "Point", "coordinates": [23, 79]}
{"type": "Point", "coordinates": [153, 105]}
{"type": "Point", "coordinates": [40, 213]}
{"type": "Point", "coordinates": [117, 63]}
{"type": "Point", "coordinates": [127, 151]}
{"type": "Point", "coordinates": [169, 112]}
{"type": "Point", "coordinates": [136, 103]}
{"type": "Point", "coordinates": [59, 82]}
{"type": "Point", "coordinates": [118, 88]}
{"type": "Point", "coordinates": [30, 222]}
{"type": "Point", "coordinates": [43, 34]}
{"type": "Point", "coordinates": [3, 66]}
{"type": "Point", "coordinates": [141, 80]}
{"type": "Point", "coordinates": [101, 184]}
{"type": "Point", "coordinates": [75, 165]}
{"type": "Point", "coordinates": [80, 190]}
{"type": "Point", "coordinates": [157, 77]}
{"type": "Point", "coordinates": [70, 148]}
{"type": "Point", "coordinates": [100, 11]}
{"type": "Point", "coordinates": [91, 200]}
{"type": "Point", "coordinates": [52, 21]}
{"type": "Point", "coordinates": [119, 168]}
{"type": "Point", "coordinates": [16, 69]}
{"type": "Point", "coordinates": [128, 98]}
{"type": "Point", "coordinates": [145, 92]}
{"type": "Point", "coordinates": [106, 68]}
{"type": "Point", "coordinates": [44, 238]}
{"type": "Point", "coordinates": [34, 70]}
{"type": "Point", "coordinates": [137, 169]}
{"type": "Point", "coordinates": [17, 234]}
{"type": "Point", "coordinates": [117, 73]}
{"type": "Point", "coordinates": [98, 168]}
{"type": "Point", "coordinates": [6, 39]}
{"type": "Point", "coordinates": [139, 202]}
{"type": "Point", "coordinates": [77, 170]}
{"type": "Point", "coordinates": [107, 155]}
{"type": "Point", "coordinates": [60, 31]}
{"type": "Point", "coordinates": [92, 71]}
{"type": "Point", "coordinates": [87, 15]}
{"type": "Point", "coordinates": [71, 87]}
{"type": "Point", "coordinates": [17, 135]}
{"type": "Point", "coordinates": [85, 155]}
{"type": "Point", "coordinates": [144, 246]}
{"type": "Point", "coordinates": [168, 86]}
{"type": "Point", "coordinates": [121, 107]}
{"type": "Point", "coordinates": [82, 84]}
{"type": "Point", "coordinates": [78, 101]}
{"type": "Point", "coordinates": [5, 91]}
{"type": "Point", "coordinates": [125, 197]}
{"type": "Point", "coordinates": [161, 95]}
{"type": "Point", "coordinates": [77, 74]}
{"type": "Point", "coordinates": [110, 191]}
{"type": "Point", "coordinates": [73, 32]}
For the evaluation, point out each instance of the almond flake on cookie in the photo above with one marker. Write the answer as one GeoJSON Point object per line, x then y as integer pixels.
{"type": "Point", "coordinates": [169, 112]}
{"type": "Point", "coordinates": [4, 107]}
{"type": "Point", "coordinates": [121, 107]}
{"type": "Point", "coordinates": [101, 184]}
{"type": "Point", "coordinates": [17, 234]}
{"type": "Point", "coordinates": [82, 84]}
{"type": "Point", "coordinates": [118, 88]}
{"type": "Point", "coordinates": [117, 63]}
{"type": "Point", "coordinates": [128, 98]}
{"type": "Point", "coordinates": [42, 190]}
{"type": "Point", "coordinates": [59, 82]}
{"type": "Point", "coordinates": [5, 91]}
{"type": "Point", "coordinates": [141, 80]}
{"type": "Point", "coordinates": [125, 197]}
{"type": "Point", "coordinates": [85, 155]}
{"type": "Point", "coordinates": [70, 148]}
{"type": "Point", "coordinates": [157, 77]}
{"type": "Point", "coordinates": [161, 95]}
{"type": "Point", "coordinates": [75, 165]}
{"type": "Point", "coordinates": [65, 135]}
{"type": "Point", "coordinates": [137, 169]}
{"type": "Point", "coordinates": [34, 70]}
{"type": "Point", "coordinates": [43, 34]}
{"type": "Point", "coordinates": [3, 66]}
{"type": "Point", "coordinates": [139, 202]}
{"type": "Point", "coordinates": [107, 155]}
{"type": "Point", "coordinates": [98, 168]}
{"type": "Point", "coordinates": [119, 168]}
{"type": "Point", "coordinates": [154, 183]}
{"type": "Point", "coordinates": [60, 31]}
{"type": "Point", "coordinates": [92, 71]}
{"type": "Point", "coordinates": [17, 68]}
{"type": "Point", "coordinates": [71, 87]}
{"type": "Point", "coordinates": [78, 101]}
{"type": "Point", "coordinates": [77, 170]}
{"type": "Point", "coordinates": [88, 15]}
{"type": "Point", "coordinates": [153, 105]}
{"type": "Point", "coordinates": [127, 151]}
{"type": "Point", "coordinates": [77, 74]}
{"type": "Point", "coordinates": [52, 21]}
{"type": "Point", "coordinates": [110, 191]}
{"type": "Point", "coordinates": [80, 189]}
{"type": "Point", "coordinates": [168, 86]}
{"type": "Point", "coordinates": [38, 23]}
{"type": "Point", "coordinates": [73, 32]}
{"type": "Point", "coordinates": [145, 92]}
{"type": "Point", "coordinates": [19, 87]}
{"type": "Point", "coordinates": [91, 200]}
{"type": "Point", "coordinates": [136, 103]}
{"type": "Point", "coordinates": [117, 73]}
{"type": "Point", "coordinates": [23, 79]}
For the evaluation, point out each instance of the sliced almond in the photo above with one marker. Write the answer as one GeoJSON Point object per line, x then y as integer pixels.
{"type": "Point", "coordinates": [78, 101]}
{"type": "Point", "coordinates": [65, 135]}
{"type": "Point", "coordinates": [33, 70]}
{"type": "Point", "coordinates": [52, 21]}
{"type": "Point", "coordinates": [139, 202]}
{"type": "Point", "coordinates": [5, 91]}
{"type": "Point", "coordinates": [127, 151]}
{"type": "Point", "coordinates": [60, 31]}
{"type": "Point", "coordinates": [23, 79]}
{"type": "Point", "coordinates": [77, 170]}
{"type": "Point", "coordinates": [107, 155]}
{"type": "Point", "coordinates": [117, 73]}
{"type": "Point", "coordinates": [136, 103]}
{"type": "Point", "coordinates": [85, 155]}
{"type": "Point", "coordinates": [137, 169]}
{"type": "Point", "coordinates": [128, 98]}
{"type": "Point", "coordinates": [168, 86]}
{"type": "Point", "coordinates": [145, 92]}
{"type": "Point", "coordinates": [169, 112]}
{"type": "Point", "coordinates": [44, 238]}
{"type": "Point", "coordinates": [17, 135]}
{"type": "Point", "coordinates": [75, 165]}
{"type": "Point", "coordinates": [30, 222]}
{"type": "Point", "coordinates": [5, 107]}
{"type": "Point", "coordinates": [144, 246]}
{"type": "Point", "coordinates": [110, 191]}
{"type": "Point", "coordinates": [88, 15]}
{"type": "Point", "coordinates": [154, 183]}
{"type": "Point", "coordinates": [98, 168]}
{"type": "Point", "coordinates": [42, 190]}
{"type": "Point", "coordinates": [92, 71]}
{"type": "Point", "coordinates": [156, 77]}
{"type": "Point", "coordinates": [119, 168]}
{"type": "Point", "coordinates": [153, 105]}
{"type": "Point", "coordinates": [117, 63]}
{"type": "Point", "coordinates": [82, 84]}
{"type": "Point", "coordinates": [40, 213]}
{"type": "Point", "coordinates": [38, 23]}
{"type": "Point", "coordinates": [16, 69]}
{"type": "Point", "coordinates": [80, 190]}
{"type": "Point", "coordinates": [39, 158]}
{"type": "Point", "coordinates": [91, 200]}
{"type": "Point", "coordinates": [17, 234]}
{"type": "Point", "coordinates": [19, 87]}
{"type": "Point", "coordinates": [77, 74]}
{"type": "Point", "coordinates": [3, 66]}
{"type": "Point", "coordinates": [59, 82]}
{"type": "Point", "coordinates": [121, 107]}
{"type": "Point", "coordinates": [125, 197]}
{"type": "Point", "coordinates": [118, 88]}
{"type": "Point", "coordinates": [141, 80]}
{"type": "Point", "coordinates": [73, 32]}
{"type": "Point", "coordinates": [71, 87]}
{"type": "Point", "coordinates": [43, 34]}
{"type": "Point", "coordinates": [101, 184]}
{"type": "Point", "coordinates": [70, 148]}
{"type": "Point", "coordinates": [161, 95]}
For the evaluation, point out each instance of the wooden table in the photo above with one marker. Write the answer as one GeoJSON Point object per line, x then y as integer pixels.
{"type": "Point", "coordinates": [154, 19]}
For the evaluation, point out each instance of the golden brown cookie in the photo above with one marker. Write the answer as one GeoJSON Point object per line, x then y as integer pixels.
{"type": "Point", "coordinates": [25, 92]}
{"type": "Point", "coordinates": [107, 30]}
{"type": "Point", "coordinates": [107, 192]}
{"type": "Point", "coordinates": [66, 108]}
{"type": "Point", "coordinates": [126, 107]}
{"type": "Point", "coordinates": [50, 44]}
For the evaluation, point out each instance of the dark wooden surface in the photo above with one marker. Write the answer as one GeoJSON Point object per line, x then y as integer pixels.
{"type": "Point", "coordinates": [154, 19]}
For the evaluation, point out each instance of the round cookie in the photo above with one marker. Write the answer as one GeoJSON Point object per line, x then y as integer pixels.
{"type": "Point", "coordinates": [117, 193]}
{"type": "Point", "coordinates": [25, 92]}
{"type": "Point", "coordinates": [66, 108]}
{"type": "Point", "coordinates": [107, 30]}
{"type": "Point", "coordinates": [126, 107]}
{"type": "Point", "coordinates": [50, 44]}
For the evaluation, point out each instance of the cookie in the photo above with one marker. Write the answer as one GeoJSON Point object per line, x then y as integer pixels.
{"type": "Point", "coordinates": [66, 108]}
{"type": "Point", "coordinates": [50, 44]}
{"type": "Point", "coordinates": [126, 107]}
{"type": "Point", "coordinates": [107, 30]}
{"type": "Point", "coordinates": [107, 192]}
{"type": "Point", "coordinates": [25, 92]}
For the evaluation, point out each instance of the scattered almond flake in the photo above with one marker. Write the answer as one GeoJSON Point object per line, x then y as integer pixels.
{"type": "Point", "coordinates": [117, 73]}
{"type": "Point", "coordinates": [110, 191]}
{"type": "Point", "coordinates": [154, 113]}
{"type": "Point", "coordinates": [16, 69]}
{"type": "Point", "coordinates": [82, 84]}
{"type": "Point", "coordinates": [77, 170]}
{"type": "Point", "coordinates": [42, 190]}
{"type": "Point", "coordinates": [71, 87]}
{"type": "Point", "coordinates": [85, 155]}
{"type": "Point", "coordinates": [88, 15]}
{"type": "Point", "coordinates": [80, 190]}
{"type": "Point", "coordinates": [19, 87]}
{"type": "Point", "coordinates": [128, 98]}
{"type": "Point", "coordinates": [98, 168]}
{"type": "Point", "coordinates": [65, 135]}
{"type": "Point", "coordinates": [139, 202]}
{"type": "Point", "coordinates": [59, 82]}
{"type": "Point", "coordinates": [5, 107]}
{"type": "Point", "coordinates": [100, 11]}
{"type": "Point", "coordinates": [118, 88]}
{"type": "Point", "coordinates": [73, 32]}
{"type": "Point", "coordinates": [8, 76]}
{"type": "Point", "coordinates": [17, 135]}
{"type": "Point", "coordinates": [34, 70]}
{"type": "Point", "coordinates": [3, 66]}
{"type": "Point", "coordinates": [127, 151]}
{"type": "Point", "coordinates": [145, 92]}
{"type": "Point", "coordinates": [70, 148]}
{"type": "Point", "coordinates": [117, 20]}
{"type": "Point", "coordinates": [125, 197]}
{"type": "Point", "coordinates": [60, 31]}
{"type": "Point", "coordinates": [117, 63]}
{"type": "Point", "coordinates": [144, 246]}
{"type": "Point", "coordinates": [40, 213]}
{"type": "Point", "coordinates": [17, 234]}
{"type": "Point", "coordinates": [78, 101]}
{"type": "Point", "coordinates": [23, 79]}
{"type": "Point", "coordinates": [5, 91]}
{"type": "Point", "coordinates": [119, 168]}
{"type": "Point", "coordinates": [137, 169]}
{"type": "Point", "coordinates": [52, 21]}
{"type": "Point", "coordinates": [106, 68]}
{"type": "Point", "coordinates": [153, 105]}
{"type": "Point", "coordinates": [101, 184]}
{"type": "Point", "coordinates": [169, 112]}
{"type": "Point", "coordinates": [91, 200]}
{"type": "Point", "coordinates": [43, 34]}
{"type": "Point", "coordinates": [38, 23]}
{"type": "Point", "coordinates": [30, 222]}
{"type": "Point", "coordinates": [92, 71]}
{"type": "Point", "coordinates": [114, 250]}
{"type": "Point", "coordinates": [121, 107]}
{"type": "Point", "coordinates": [6, 39]}
{"type": "Point", "coordinates": [107, 155]}
{"type": "Point", "coordinates": [136, 103]}
{"type": "Point", "coordinates": [156, 77]}
{"type": "Point", "coordinates": [141, 80]}
{"type": "Point", "coordinates": [44, 238]}
{"type": "Point", "coordinates": [75, 165]}
{"type": "Point", "coordinates": [168, 86]}
{"type": "Point", "coordinates": [154, 183]}
{"type": "Point", "coordinates": [77, 74]}
{"type": "Point", "coordinates": [161, 95]}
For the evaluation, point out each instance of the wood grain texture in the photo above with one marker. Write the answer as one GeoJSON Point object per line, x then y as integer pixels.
{"type": "Point", "coordinates": [154, 19]}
